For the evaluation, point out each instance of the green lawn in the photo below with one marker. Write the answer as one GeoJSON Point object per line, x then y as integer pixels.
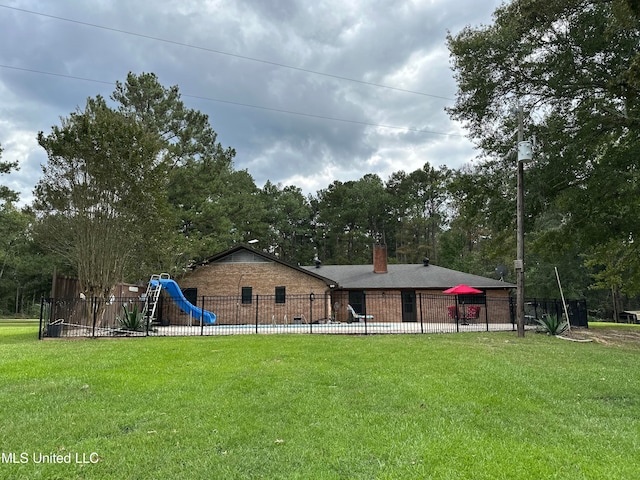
{"type": "Point", "coordinates": [633, 327]}
{"type": "Point", "coordinates": [477, 406]}
{"type": "Point", "coordinates": [19, 322]}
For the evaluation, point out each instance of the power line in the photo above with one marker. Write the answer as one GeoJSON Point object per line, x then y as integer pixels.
{"type": "Point", "coordinates": [311, 115]}
{"type": "Point", "coordinates": [220, 52]}
{"type": "Point", "coordinates": [57, 75]}
{"type": "Point", "coordinates": [259, 107]}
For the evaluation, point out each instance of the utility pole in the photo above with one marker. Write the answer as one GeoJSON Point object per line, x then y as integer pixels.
{"type": "Point", "coordinates": [524, 155]}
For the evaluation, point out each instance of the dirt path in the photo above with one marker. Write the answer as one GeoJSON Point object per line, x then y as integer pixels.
{"type": "Point", "coordinates": [614, 336]}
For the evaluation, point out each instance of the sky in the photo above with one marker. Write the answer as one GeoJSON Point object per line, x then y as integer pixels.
{"type": "Point", "coordinates": [306, 92]}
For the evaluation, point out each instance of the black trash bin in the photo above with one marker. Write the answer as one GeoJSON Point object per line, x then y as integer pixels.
{"type": "Point", "coordinates": [54, 329]}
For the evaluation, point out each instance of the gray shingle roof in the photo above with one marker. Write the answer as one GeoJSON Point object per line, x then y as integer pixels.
{"type": "Point", "coordinates": [404, 276]}
{"type": "Point", "coordinates": [411, 276]}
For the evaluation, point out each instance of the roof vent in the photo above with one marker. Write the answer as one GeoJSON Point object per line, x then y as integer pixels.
{"type": "Point", "coordinates": [425, 261]}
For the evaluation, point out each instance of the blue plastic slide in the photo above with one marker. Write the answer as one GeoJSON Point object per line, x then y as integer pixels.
{"type": "Point", "coordinates": [173, 289]}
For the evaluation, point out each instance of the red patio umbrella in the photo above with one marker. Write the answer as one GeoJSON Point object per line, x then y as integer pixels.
{"type": "Point", "coordinates": [462, 289]}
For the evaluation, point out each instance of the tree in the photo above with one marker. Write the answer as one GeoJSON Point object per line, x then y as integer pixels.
{"type": "Point", "coordinates": [214, 208]}
{"type": "Point", "coordinates": [6, 194]}
{"type": "Point", "coordinates": [204, 191]}
{"type": "Point", "coordinates": [478, 230]}
{"type": "Point", "coordinates": [574, 68]}
{"type": "Point", "coordinates": [575, 59]}
{"type": "Point", "coordinates": [420, 201]}
{"type": "Point", "coordinates": [242, 203]}
{"type": "Point", "coordinates": [100, 193]}
{"type": "Point", "coordinates": [614, 267]}
{"type": "Point", "coordinates": [288, 215]}
{"type": "Point", "coordinates": [351, 217]}
{"type": "Point", "coordinates": [185, 134]}
{"type": "Point", "coordinates": [12, 232]}
{"type": "Point", "coordinates": [148, 171]}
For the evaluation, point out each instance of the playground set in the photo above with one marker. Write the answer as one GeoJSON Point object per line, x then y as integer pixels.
{"type": "Point", "coordinates": [82, 316]}
{"type": "Point", "coordinates": [155, 286]}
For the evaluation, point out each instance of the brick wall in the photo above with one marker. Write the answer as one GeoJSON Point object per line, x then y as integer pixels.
{"type": "Point", "coordinates": [221, 284]}
{"type": "Point", "coordinates": [229, 278]}
{"type": "Point", "coordinates": [386, 306]}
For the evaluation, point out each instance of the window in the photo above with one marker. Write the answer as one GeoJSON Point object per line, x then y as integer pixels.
{"type": "Point", "coordinates": [281, 294]}
{"type": "Point", "coordinates": [191, 294]}
{"type": "Point", "coordinates": [247, 295]}
{"type": "Point", "coordinates": [356, 300]}
{"type": "Point", "coordinates": [477, 299]}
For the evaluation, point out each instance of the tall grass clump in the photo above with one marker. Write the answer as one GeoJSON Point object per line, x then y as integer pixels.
{"type": "Point", "coordinates": [552, 324]}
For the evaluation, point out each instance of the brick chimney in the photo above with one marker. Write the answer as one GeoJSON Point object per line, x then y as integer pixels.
{"type": "Point", "coordinates": [379, 258]}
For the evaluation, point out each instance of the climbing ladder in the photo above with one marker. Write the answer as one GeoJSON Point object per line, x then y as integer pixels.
{"type": "Point", "coordinates": [151, 297]}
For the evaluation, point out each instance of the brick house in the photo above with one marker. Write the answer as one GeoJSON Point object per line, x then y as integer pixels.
{"type": "Point", "coordinates": [244, 286]}
{"type": "Point", "coordinates": [245, 276]}
{"type": "Point", "coordinates": [395, 293]}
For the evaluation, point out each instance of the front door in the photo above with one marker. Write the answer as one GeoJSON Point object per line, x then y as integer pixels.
{"type": "Point", "coordinates": [409, 306]}
{"type": "Point", "coordinates": [356, 300]}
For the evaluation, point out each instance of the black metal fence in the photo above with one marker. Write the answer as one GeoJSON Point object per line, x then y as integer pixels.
{"type": "Point", "coordinates": [576, 309]}
{"type": "Point", "coordinates": [404, 312]}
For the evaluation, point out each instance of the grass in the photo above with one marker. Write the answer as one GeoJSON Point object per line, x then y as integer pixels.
{"type": "Point", "coordinates": [633, 327]}
{"type": "Point", "coordinates": [481, 406]}
{"type": "Point", "coordinates": [19, 322]}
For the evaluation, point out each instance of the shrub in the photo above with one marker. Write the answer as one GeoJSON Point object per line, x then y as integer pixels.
{"type": "Point", "coordinates": [552, 325]}
{"type": "Point", "coordinates": [131, 320]}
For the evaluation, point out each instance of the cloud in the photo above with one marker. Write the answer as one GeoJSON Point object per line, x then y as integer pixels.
{"type": "Point", "coordinates": [23, 148]}
{"type": "Point", "coordinates": [237, 65]}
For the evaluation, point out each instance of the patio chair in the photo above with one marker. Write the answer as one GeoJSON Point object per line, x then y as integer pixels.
{"type": "Point", "coordinates": [357, 317]}
{"type": "Point", "coordinates": [472, 314]}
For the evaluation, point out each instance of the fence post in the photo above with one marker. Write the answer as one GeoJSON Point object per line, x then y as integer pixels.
{"type": "Point", "coordinates": [364, 302]}
{"type": "Point", "coordinates": [486, 311]}
{"type": "Point", "coordinates": [511, 314]}
{"type": "Point", "coordinates": [311, 297]}
{"type": "Point", "coordinates": [202, 318]}
{"type": "Point", "coordinates": [421, 319]}
{"type": "Point", "coordinates": [94, 306]}
{"type": "Point", "coordinates": [41, 313]}
{"type": "Point", "coordinates": [147, 320]}
{"type": "Point", "coordinates": [257, 312]}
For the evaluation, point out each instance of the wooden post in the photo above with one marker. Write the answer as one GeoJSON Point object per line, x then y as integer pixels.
{"type": "Point", "coordinates": [564, 304]}
{"type": "Point", "coordinates": [520, 235]}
